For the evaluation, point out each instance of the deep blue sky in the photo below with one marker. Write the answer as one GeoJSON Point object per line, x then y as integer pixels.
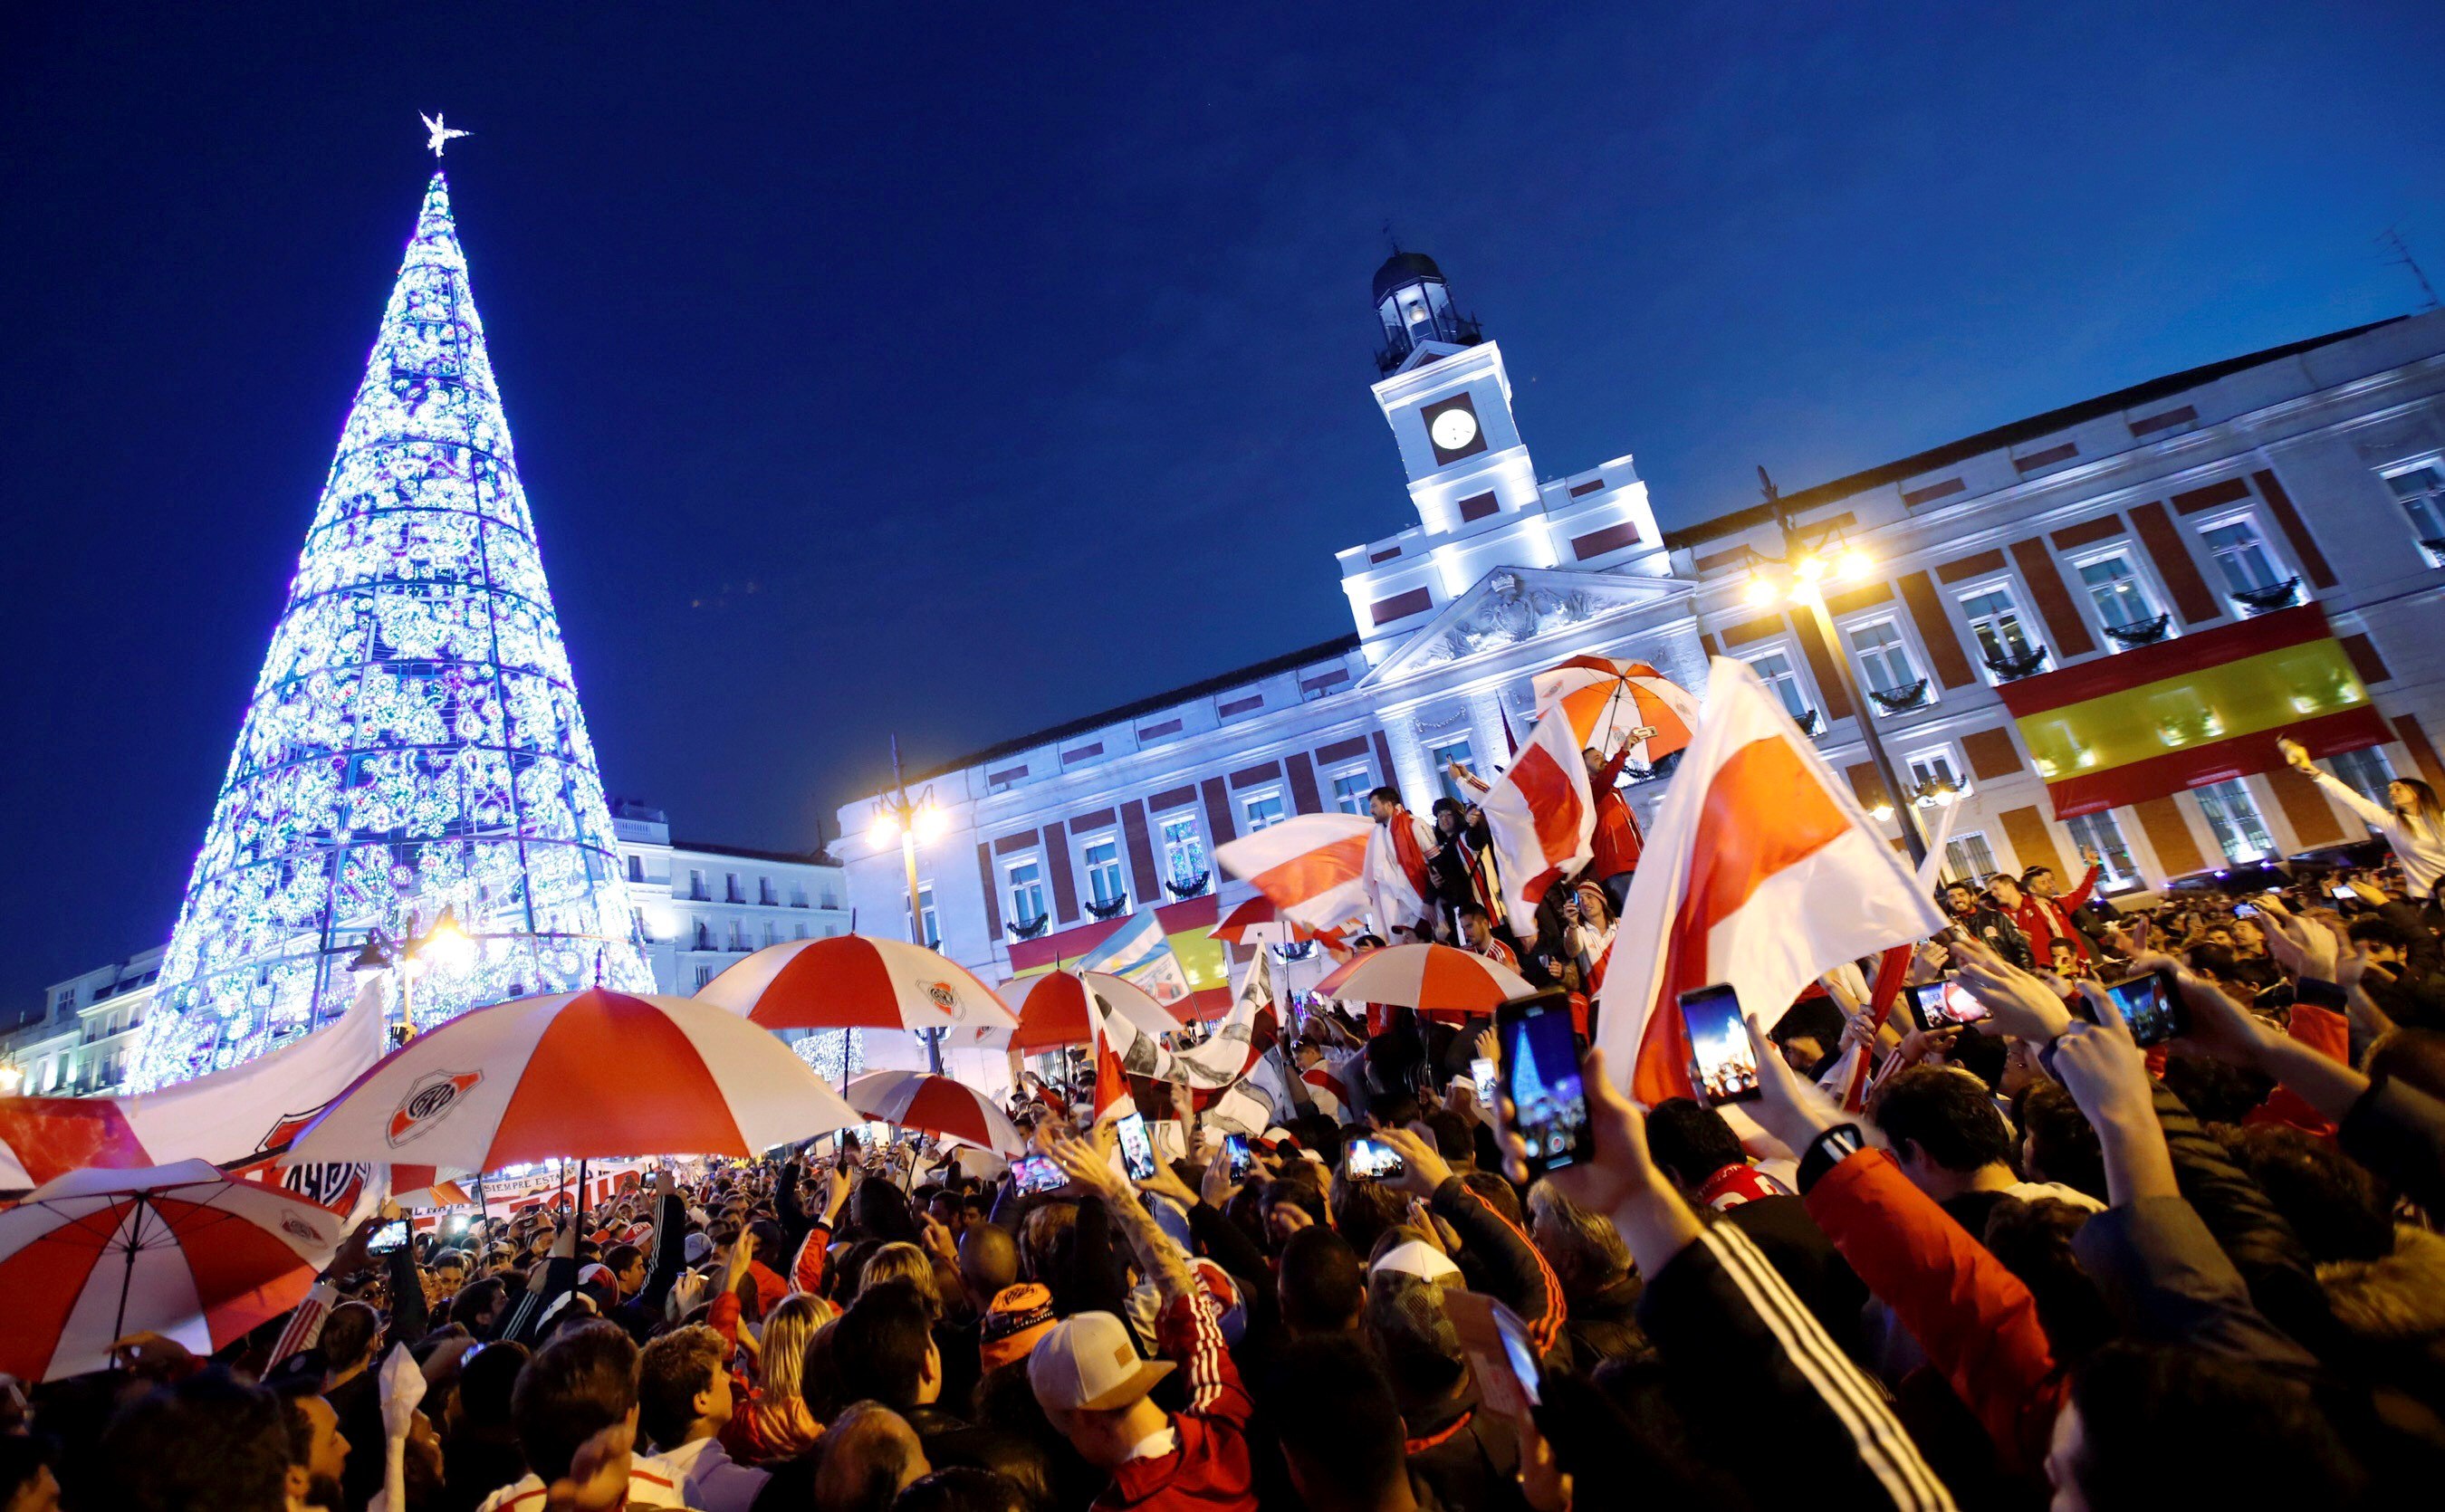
{"type": "Point", "coordinates": [954, 369]}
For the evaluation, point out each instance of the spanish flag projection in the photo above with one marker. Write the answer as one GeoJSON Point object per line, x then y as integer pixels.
{"type": "Point", "coordinates": [2150, 721]}
{"type": "Point", "coordinates": [1185, 926]}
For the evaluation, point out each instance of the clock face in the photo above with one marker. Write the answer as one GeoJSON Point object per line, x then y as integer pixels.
{"type": "Point", "coordinates": [1454, 429]}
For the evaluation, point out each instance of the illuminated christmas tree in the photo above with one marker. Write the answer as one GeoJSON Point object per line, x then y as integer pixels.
{"type": "Point", "coordinates": [414, 742]}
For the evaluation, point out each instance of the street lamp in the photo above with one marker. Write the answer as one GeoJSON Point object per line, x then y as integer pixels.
{"type": "Point", "coordinates": [11, 1077]}
{"type": "Point", "coordinates": [1810, 561]}
{"type": "Point", "coordinates": [446, 944]}
{"type": "Point", "coordinates": [899, 817]}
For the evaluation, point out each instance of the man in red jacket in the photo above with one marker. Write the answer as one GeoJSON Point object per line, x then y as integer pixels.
{"type": "Point", "coordinates": [1087, 1376]}
{"type": "Point", "coordinates": [1618, 841]}
{"type": "Point", "coordinates": [2030, 903]}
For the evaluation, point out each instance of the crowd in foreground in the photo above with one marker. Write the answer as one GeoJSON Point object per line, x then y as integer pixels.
{"type": "Point", "coordinates": [2040, 1261]}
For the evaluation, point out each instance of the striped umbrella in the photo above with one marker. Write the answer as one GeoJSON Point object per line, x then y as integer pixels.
{"type": "Point", "coordinates": [1054, 1013]}
{"type": "Point", "coordinates": [579, 1075]}
{"type": "Point", "coordinates": [1607, 701]}
{"type": "Point", "coordinates": [936, 1105]}
{"type": "Point", "coordinates": [1431, 979]}
{"type": "Point", "coordinates": [182, 1250]}
{"type": "Point", "coordinates": [856, 981]}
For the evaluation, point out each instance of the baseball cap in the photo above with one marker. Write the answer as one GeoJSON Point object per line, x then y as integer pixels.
{"type": "Point", "coordinates": [697, 1247]}
{"type": "Point", "coordinates": [1016, 1320]}
{"type": "Point", "coordinates": [1088, 1361]}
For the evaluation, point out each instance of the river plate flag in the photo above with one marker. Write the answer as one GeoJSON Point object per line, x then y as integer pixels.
{"type": "Point", "coordinates": [1543, 816]}
{"type": "Point", "coordinates": [1761, 871]}
{"type": "Point", "coordinates": [1140, 954]}
{"type": "Point", "coordinates": [2155, 720]}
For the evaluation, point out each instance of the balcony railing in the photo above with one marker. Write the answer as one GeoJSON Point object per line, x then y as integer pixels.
{"type": "Point", "coordinates": [1902, 698]}
{"type": "Point", "coordinates": [2274, 596]}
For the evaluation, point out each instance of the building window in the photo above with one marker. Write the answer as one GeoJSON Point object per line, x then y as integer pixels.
{"type": "Point", "coordinates": [1264, 809]}
{"type": "Point", "coordinates": [1775, 670]}
{"type": "Point", "coordinates": [2004, 641]}
{"type": "Point", "coordinates": [2122, 601]}
{"type": "Point", "coordinates": [1936, 769]}
{"type": "Point", "coordinates": [1350, 791]}
{"type": "Point", "coordinates": [799, 932]}
{"type": "Point", "coordinates": [831, 898]}
{"type": "Point", "coordinates": [2234, 815]}
{"type": "Point", "coordinates": [1026, 891]}
{"type": "Point", "coordinates": [730, 889]}
{"type": "Point", "coordinates": [1441, 759]}
{"type": "Point", "coordinates": [1183, 853]}
{"type": "Point", "coordinates": [636, 868]}
{"type": "Point", "coordinates": [1101, 860]}
{"type": "Point", "coordinates": [704, 975]}
{"type": "Point", "coordinates": [2420, 489]}
{"type": "Point", "coordinates": [2098, 833]}
{"type": "Point", "coordinates": [772, 933]}
{"type": "Point", "coordinates": [1968, 858]}
{"type": "Point", "coordinates": [738, 936]}
{"type": "Point", "coordinates": [696, 886]}
{"type": "Point", "coordinates": [930, 925]}
{"type": "Point", "coordinates": [799, 897]}
{"type": "Point", "coordinates": [1885, 661]}
{"type": "Point", "coordinates": [2241, 557]}
{"type": "Point", "coordinates": [703, 935]}
{"type": "Point", "coordinates": [2366, 772]}
{"type": "Point", "coordinates": [764, 893]}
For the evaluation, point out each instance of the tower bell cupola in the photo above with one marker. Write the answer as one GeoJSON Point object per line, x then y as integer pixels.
{"type": "Point", "coordinates": [1415, 306]}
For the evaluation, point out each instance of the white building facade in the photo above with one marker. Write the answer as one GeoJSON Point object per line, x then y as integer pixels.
{"type": "Point", "coordinates": [700, 906]}
{"type": "Point", "coordinates": [2320, 466]}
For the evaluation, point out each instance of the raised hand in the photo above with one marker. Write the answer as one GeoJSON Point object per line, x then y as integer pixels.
{"type": "Point", "coordinates": [2020, 1004]}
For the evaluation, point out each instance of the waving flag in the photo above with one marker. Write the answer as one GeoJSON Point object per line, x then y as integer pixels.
{"type": "Point", "coordinates": [1313, 866]}
{"type": "Point", "coordinates": [252, 1108]}
{"type": "Point", "coordinates": [1113, 1100]}
{"type": "Point", "coordinates": [1543, 818]}
{"type": "Point", "coordinates": [1138, 954]}
{"type": "Point", "coordinates": [1762, 871]}
{"type": "Point", "coordinates": [1606, 701]}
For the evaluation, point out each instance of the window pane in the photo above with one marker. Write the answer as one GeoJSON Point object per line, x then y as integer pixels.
{"type": "Point", "coordinates": [1776, 672]}
{"type": "Point", "coordinates": [1265, 811]}
{"type": "Point", "coordinates": [1441, 759]}
{"type": "Point", "coordinates": [1883, 660]}
{"type": "Point", "coordinates": [2366, 772]}
{"type": "Point", "coordinates": [1103, 865]}
{"type": "Point", "coordinates": [1968, 857]}
{"type": "Point", "coordinates": [2098, 833]}
{"type": "Point", "coordinates": [2239, 555]}
{"type": "Point", "coordinates": [1183, 853]}
{"type": "Point", "coordinates": [1350, 792]}
{"type": "Point", "coordinates": [2422, 493]}
{"type": "Point", "coordinates": [2239, 832]}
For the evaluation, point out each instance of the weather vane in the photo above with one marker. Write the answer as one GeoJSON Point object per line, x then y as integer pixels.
{"type": "Point", "coordinates": [438, 135]}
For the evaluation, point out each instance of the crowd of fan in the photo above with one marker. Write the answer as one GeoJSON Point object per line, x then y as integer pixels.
{"type": "Point", "coordinates": [2041, 1262]}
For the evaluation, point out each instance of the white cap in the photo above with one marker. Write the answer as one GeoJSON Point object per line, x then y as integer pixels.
{"type": "Point", "coordinates": [1088, 1361]}
{"type": "Point", "coordinates": [1419, 1259]}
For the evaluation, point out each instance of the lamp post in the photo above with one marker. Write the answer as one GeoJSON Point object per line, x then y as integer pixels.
{"type": "Point", "coordinates": [897, 816]}
{"type": "Point", "coordinates": [1809, 561]}
{"type": "Point", "coordinates": [408, 959]}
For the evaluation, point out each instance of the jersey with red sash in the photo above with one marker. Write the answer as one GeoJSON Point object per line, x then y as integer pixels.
{"type": "Point", "coordinates": [1735, 1185]}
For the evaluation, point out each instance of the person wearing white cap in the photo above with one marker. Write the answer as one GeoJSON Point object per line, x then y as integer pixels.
{"type": "Point", "coordinates": [1091, 1384]}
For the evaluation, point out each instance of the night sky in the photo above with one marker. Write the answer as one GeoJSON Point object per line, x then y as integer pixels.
{"type": "Point", "coordinates": [953, 369]}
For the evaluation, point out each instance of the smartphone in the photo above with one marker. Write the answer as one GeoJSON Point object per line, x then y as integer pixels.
{"type": "Point", "coordinates": [389, 1237]}
{"type": "Point", "coordinates": [1540, 1080]}
{"type": "Point", "coordinates": [1238, 1157]}
{"type": "Point", "coordinates": [2245, 910]}
{"type": "Point", "coordinates": [1371, 1160]}
{"type": "Point", "coordinates": [2343, 891]}
{"type": "Point", "coordinates": [1943, 1004]}
{"type": "Point", "coordinates": [2152, 1005]}
{"type": "Point", "coordinates": [1520, 1351]}
{"type": "Point", "coordinates": [1037, 1174]}
{"type": "Point", "coordinates": [1722, 1064]}
{"type": "Point", "coordinates": [1481, 1071]}
{"type": "Point", "coordinates": [1137, 1151]}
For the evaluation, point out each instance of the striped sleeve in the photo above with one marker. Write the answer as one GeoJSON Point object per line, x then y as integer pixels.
{"type": "Point", "coordinates": [1191, 1338]}
{"type": "Point", "coordinates": [1515, 1273]}
{"type": "Point", "coordinates": [305, 1324]}
{"type": "Point", "coordinates": [1742, 1350]}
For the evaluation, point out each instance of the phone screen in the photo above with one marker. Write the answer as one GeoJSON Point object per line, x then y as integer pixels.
{"type": "Point", "coordinates": [2152, 1005]}
{"type": "Point", "coordinates": [387, 1238]}
{"type": "Point", "coordinates": [2244, 910]}
{"type": "Point", "coordinates": [1371, 1160]}
{"type": "Point", "coordinates": [1943, 1004]}
{"type": "Point", "coordinates": [1036, 1174]}
{"type": "Point", "coordinates": [1137, 1151]}
{"type": "Point", "coordinates": [1722, 1064]}
{"type": "Point", "coordinates": [1481, 1071]}
{"type": "Point", "coordinates": [1522, 1353]}
{"type": "Point", "coordinates": [1241, 1159]}
{"type": "Point", "coordinates": [1541, 1075]}
{"type": "Point", "coordinates": [2342, 890]}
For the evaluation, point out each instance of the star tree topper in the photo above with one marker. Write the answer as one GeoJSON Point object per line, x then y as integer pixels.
{"type": "Point", "coordinates": [437, 135]}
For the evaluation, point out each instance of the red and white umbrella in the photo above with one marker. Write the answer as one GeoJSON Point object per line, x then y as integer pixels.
{"type": "Point", "coordinates": [936, 1105]}
{"type": "Point", "coordinates": [1431, 979]}
{"type": "Point", "coordinates": [1054, 1013]}
{"type": "Point", "coordinates": [182, 1250]}
{"type": "Point", "coordinates": [856, 981]}
{"type": "Point", "coordinates": [1258, 921]}
{"type": "Point", "coordinates": [581, 1075]}
{"type": "Point", "coordinates": [1606, 700]}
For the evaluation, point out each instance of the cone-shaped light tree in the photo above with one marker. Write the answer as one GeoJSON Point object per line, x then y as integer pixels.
{"type": "Point", "coordinates": [414, 742]}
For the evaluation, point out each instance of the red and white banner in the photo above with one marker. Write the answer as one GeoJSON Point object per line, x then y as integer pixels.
{"type": "Point", "coordinates": [224, 1117]}
{"type": "Point", "coordinates": [1313, 866]}
{"type": "Point", "coordinates": [1543, 816]}
{"type": "Point", "coordinates": [1395, 876]}
{"type": "Point", "coordinates": [1761, 871]}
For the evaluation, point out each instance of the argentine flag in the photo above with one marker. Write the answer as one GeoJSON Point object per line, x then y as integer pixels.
{"type": "Point", "coordinates": [1139, 954]}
